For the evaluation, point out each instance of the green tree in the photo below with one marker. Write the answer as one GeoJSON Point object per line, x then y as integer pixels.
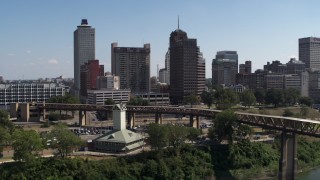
{"type": "Point", "coordinates": [225, 98]}
{"type": "Point", "coordinates": [260, 95]}
{"type": "Point", "coordinates": [208, 98]}
{"type": "Point", "coordinates": [177, 135]}
{"type": "Point", "coordinates": [64, 140]}
{"type": "Point", "coordinates": [26, 144]}
{"type": "Point", "coordinates": [209, 83]}
{"type": "Point", "coordinates": [4, 138]}
{"type": "Point", "coordinates": [306, 101]}
{"type": "Point", "coordinates": [5, 122]}
{"type": "Point", "coordinates": [66, 99]}
{"type": "Point", "coordinates": [158, 136]}
{"type": "Point", "coordinates": [109, 102]}
{"type": "Point", "coordinates": [243, 131]}
{"type": "Point", "coordinates": [274, 96]}
{"type": "Point", "coordinates": [224, 126]}
{"type": "Point", "coordinates": [193, 133]}
{"type": "Point", "coordinates": [304, 111]}
{"type": "Point", "coordinates": [192, 99]}
{"type": "Point", "coordinates": [138, 101]}
{"type": "Point", "coordinates": [291, 96]}
{"type": "Point", "coordinates": [248, 98]}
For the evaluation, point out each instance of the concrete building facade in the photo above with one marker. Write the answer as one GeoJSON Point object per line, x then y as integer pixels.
{"type": "Point", "coordinates": [89, 73]}
{"type": "Point", "coordinates": [108, 82]}
{"type": "Point", "coordinates": [100, 96]}
{"type": "Point", "coordinates": [187, 67]}
{"type": "Point", "coordinates": [84, 50]}
{"type": "Point", "coordinates": [132, 65]}
{"type": "Point", "coordinates": [25, 92]}
{"type": "Point", "coordinates": [309, 52]}
{"type": "Point", "coordinates": [225, 68]}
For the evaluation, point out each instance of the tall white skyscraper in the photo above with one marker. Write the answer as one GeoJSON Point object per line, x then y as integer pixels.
{"type": "Point", "coordinates": [84, 50]}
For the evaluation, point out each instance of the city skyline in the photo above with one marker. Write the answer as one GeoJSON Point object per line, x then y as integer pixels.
{"type": "Point", "coordinates": [37, 37]}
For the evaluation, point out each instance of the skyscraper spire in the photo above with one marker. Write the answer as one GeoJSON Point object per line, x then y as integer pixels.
{"type": "Point", "coordinates": [178, 21]}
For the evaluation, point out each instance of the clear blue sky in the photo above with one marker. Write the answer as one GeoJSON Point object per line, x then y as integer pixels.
{"type": "Point", "coordinates": [36, 38]}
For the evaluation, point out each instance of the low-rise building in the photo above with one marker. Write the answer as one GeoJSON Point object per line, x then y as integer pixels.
{"type": "Point", "coordinates": [119, 140]}
{"type": "Point", "coordinates": [29, 92]}
{"type": "Point", "coordinates": [100, 96]}
{"type": "Point", "coordinates": [156, 99]}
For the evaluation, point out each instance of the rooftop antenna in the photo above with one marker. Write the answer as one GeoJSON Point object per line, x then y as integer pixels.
{"type": "Point", "coordinates": [178, 21]}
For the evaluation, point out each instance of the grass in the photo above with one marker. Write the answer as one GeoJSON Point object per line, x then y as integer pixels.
{"type": "Point", "coordinates": [313, 114]}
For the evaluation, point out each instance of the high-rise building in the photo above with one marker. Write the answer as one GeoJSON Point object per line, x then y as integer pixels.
{"type": "Point", "coordinates": [225, 68]}
{"type": "Point", "coordinates": [132, 65]}
{"type": "Point", "coordinates": [187, 67]}
{"type": "Point", "coordinates": [309, 52]}
{"type": "Point", "coordinates": [89, 73]}
{"type": "Point", "coordinates": [84, 50]}
{"type": "Point", "coordinates": [245, 68]}
{"type": "Point", "coordinates": [167, 65]}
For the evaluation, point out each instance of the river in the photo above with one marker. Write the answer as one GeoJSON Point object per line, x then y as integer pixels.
{"type": "Point", "coordinates": [310, 175]}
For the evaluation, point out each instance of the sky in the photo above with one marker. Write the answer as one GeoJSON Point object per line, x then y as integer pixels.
{"type": "Point", "coordinates": [36, 37]}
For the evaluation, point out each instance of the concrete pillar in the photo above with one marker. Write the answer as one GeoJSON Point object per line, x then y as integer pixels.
{"type": "Point", "coordinates": [14, 109]}
{"type": "Point", "coordinates": [25, 112]}
{"type": "Point", "coordinates": [82, 118]}
{"type": "Point", "coordinates": [198, 122]}
{"type": "Point", "coordinates": [158, 118]}
{"type": "Point", "coordinates": [288, 158]}
{"type": "Point", "coordinates": [193, 123]}
{"type": "Point", "coordinates": [131, 119]}
{"type": "Point", "coordinates": [43, 112]}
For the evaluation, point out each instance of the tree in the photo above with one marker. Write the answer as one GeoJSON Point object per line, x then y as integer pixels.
{"type": "Point", "coordinates": [177, 135]}
{"type": "Point", "coordinates": [209, 83]}
{"type": "Point", "coordinates": [291, 96]}
{"type": "Point", "coordinates": [158, 136]}
{"type": "Point", "coordinates": [138, 101]}
{"type": "Point", "coordinates": [304, 111]}
{"type": "Point", "coordinates": [193, 133]}
{"type": "Point", "coordinates": [224, 126]}
{"type": "Point", "coordinates": [64, 140]}
{"type": "Point", "coordinates": [109, 102]}
{"type": "Point", "coordinates": [208, 97]}
{"type": "Point", "coordinates": [260, 95]}
{"type": "Point", "coordinates": [306, 101]}
{"type": "Point", "coordinates": [26, 145]}
{"type": "Point", "coordinates": [248, 98]}
{"type": "Point", "coordinates": [225, 98]}
{"type": "Point", "coordinates": [274, 96]}
{"type": "Point", "coordinates": [5, 122]}
{"type": "Point", "coordinates": [192, 99]}
{"type": "Point", "coordinates": [243, 131]}
{"type": "Point", "coordinates": [66, 99]}
{"type": "Point", "coordinates": [4, 138]}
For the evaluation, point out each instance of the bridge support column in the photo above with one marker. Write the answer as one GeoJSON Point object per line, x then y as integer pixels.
{"type": "Point", "coordinates": [288, 158]}
{"type": "Point", "coordinates": [158, 118]}
{"type": "Point", "coordinates": [198, 122]}
{"type": "Point", "coordinates": [193, 123]}
{"type": "Point", "coordinates": [131, 119]}
{"type": "Point", "coordinates": [82, 118]}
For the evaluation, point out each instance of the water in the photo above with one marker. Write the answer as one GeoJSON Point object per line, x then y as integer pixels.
{"type": "Point", "coordinates": [311, 175]}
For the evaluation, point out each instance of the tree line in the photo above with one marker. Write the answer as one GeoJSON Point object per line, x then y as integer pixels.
{"type": "Point", "coordinates": [227, 98]}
